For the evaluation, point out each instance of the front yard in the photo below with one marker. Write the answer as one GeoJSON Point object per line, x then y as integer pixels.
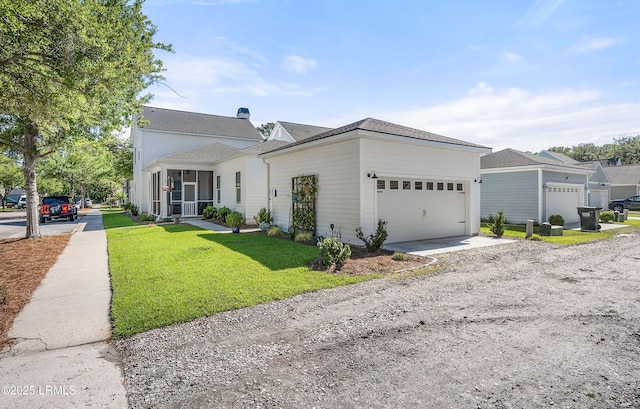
{"type": "Point", "coordinates": [168, 274]}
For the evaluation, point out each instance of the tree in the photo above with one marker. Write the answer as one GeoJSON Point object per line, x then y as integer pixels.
{"type": "Point", "coordinates": [627, 149]}
{"type": "Point", "coordinates": [10, 177]}
{"type": "Point", "coordinates": [265, 129]}
{"type": "Point", "coordinates": [69, 65]}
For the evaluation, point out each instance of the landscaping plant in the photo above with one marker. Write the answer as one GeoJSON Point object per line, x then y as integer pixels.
{"type": "Point", "coordinates": [607, 216]}
{"type": "Point", "coordinates": [333, 251]}
{"type": "Point", "coordinates": [556, 220]}
{"type": "Point", "coordinates": [275, 231]}
{"type": "Point", "coordinates": [303, 236]}
{"type": "Point", "coordinates": [234, 219]}
{"type": "Point", "coordinates": [222, 213]}
{"type": "Point", "coordinates": [375, 240]}
{"type": "Point", "coordinates": [497, 227]}
{"type": "Point", "coordinates": [263, 216]}
{"type": "Point", "coordinates": [209, 212]}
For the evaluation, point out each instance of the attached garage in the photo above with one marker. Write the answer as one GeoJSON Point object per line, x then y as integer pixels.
{"type": "Point", "coordinates": [564, 199]}
{"type": "Point", "coordinates": [422, 209]}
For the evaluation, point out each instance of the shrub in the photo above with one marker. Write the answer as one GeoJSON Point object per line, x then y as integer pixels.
{"type": "Point", "coordinates": [556, 220]}
{"type": "Point", "coordinates": [234, 219]}
{"type": "Point", "coordinates": [209, 212]}
{"type": "Point", "coordinates": [275, 231]}
{"type": "Point", "coordinates": [497, 227]}
{"type": "Point", "coordinates": [223, 212]}
{"type": "Point", "coordinates": [375, 240]}
{"type": "Point", "coordinates": [147, 218]}
{"type": "Point", "coordinates": [264, 226]}
{"type": "Point", "coordinates": [303, 236]}
{"type": "Point", "coordinates": [263, 216]}
{"type": "Point", "coordinates": [134, 210]}
{"type": "Point", "coordinates": [607, 216]}
{"type": "Point", "coordinates": [397, 256]}
{"type": "Point", "coordinates": [333, 251]}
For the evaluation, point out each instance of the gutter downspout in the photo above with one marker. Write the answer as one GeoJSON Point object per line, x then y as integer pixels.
{"type": "Point", "coordinates": [540, 192]}
{"type": "Point", "coordinates": [269, 197]}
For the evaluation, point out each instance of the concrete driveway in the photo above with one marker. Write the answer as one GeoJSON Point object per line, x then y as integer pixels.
{"type": "Point", "coordinates": [446, 245]}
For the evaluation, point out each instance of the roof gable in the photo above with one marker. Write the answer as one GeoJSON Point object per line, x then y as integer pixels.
{"type": "Point", "coordinates": [300, 132]}
{"type": "Point", "coordinates": [169, 120]}
{"type": "Point", "coordinates": [382, 127]}
{"type": "Point", "coordinates": [558, 156]}
{"type": "Point", "coordinates": [623, 175]}
{"type": "Point", "coordinates": [512, 158]}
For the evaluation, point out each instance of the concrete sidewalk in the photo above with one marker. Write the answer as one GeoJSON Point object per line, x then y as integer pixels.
{"type": "Point", "coordinates": [60, 355]}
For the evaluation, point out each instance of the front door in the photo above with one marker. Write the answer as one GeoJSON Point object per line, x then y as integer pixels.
{"type": "Point", "coordinates": [190, 200]}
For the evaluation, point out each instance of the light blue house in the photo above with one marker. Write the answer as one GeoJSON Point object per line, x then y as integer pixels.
{"type": "Point", "coordinates": [532, 187]}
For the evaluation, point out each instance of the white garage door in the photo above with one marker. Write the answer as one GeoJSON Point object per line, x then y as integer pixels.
{"type": "Point", "coordinates": [564, 199]}
{"type": "Point", "coordinates": [418, 209]}
{"type": "Point", "coordinates": [598, 198]}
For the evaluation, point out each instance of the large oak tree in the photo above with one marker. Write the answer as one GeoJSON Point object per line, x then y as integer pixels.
{"type": "Point", "coordinates": [69, 65]}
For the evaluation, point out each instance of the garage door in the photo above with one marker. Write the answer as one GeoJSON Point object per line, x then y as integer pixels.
{"type": "Point", "coordinates": [598, 198]}
{"type": "Point", "coordinates": [418, 209]}
{"type": "Point", "coordinates": [563, 199]}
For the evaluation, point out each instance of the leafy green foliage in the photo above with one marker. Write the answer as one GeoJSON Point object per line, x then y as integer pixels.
{"type": "Point", "coordinates": [209, 212]}
{"type": "Point", "coordinates": [333, 251]}
{"type": "Point", "coordinates": [607, 216]}
{"type": "Point", "coordinates": [497, 227]}
{"type": "Point", "coordinates": [374, 241]}
{"type": "Point", "coordinates": [303, 237]}
{"type": "Point", "coordinates": [627, 149]}
{"type": "Point", "coordinates": [556, 220]}
{"type": "Point", "coordinates": [397, 256]}
{"type": "Point", "coordinates": [275, 231]}
{"type": "Point", "coordinates": [263, 216]}
{"type": "Point", "coordinates": [222, 213]}
{"type": "Point", "coordinates": [11, 176]}
{"type": "Point", "coordinates": [234, 219]}
{"type": "Point", "coordinates": [265, 129]}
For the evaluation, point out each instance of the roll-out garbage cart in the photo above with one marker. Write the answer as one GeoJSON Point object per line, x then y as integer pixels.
{"type": "Point", "coordinates": [589, 218]}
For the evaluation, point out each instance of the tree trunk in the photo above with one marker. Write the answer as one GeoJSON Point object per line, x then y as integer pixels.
{"type": "Point", "coordinates": [29, 168]}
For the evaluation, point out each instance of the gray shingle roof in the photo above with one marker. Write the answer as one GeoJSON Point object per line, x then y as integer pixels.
{"type": "Point", "coordinates": [623, 175]}
{"type": "Point", "coordinates": [265, 146]}
{"type": "Point", "coordinates": [202, 124]}
{"type": "Point", "coordinates": [510, 157]}
{"type": "Point", "coordinates": [209, 153]}
{"type": "Point", "coordinates": [300, 132]}
{"type": "Point", "coordinates": [376, 125]}
{"type": "Point", "coordinates": [562, 157]}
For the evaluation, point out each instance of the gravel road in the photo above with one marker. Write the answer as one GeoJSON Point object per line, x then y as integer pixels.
{"type": "Point", "coordinates": [524, 325]}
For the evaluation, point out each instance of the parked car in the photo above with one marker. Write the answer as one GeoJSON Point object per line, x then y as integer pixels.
{"type": "Point", "coordinates": [11, 202]}
{"type": "Point", "coordinates": [57, 207]}
{"type": "Point", "coordinates": [631, 203]}
{"type": "Point", "coordinates": [22, 202]}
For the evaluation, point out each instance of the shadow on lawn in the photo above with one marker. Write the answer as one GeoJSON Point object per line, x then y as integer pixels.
{"type": "Point", "coordinates": [270, 252]}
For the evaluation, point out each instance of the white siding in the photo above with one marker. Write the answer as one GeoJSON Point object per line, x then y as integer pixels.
{"type": "Point", "coordinates": [256, 190]}
{"type": "Point", "coordinates": [227, 172]}
{"type": "Point", "coordinates": [337, 169]}
{"type": "Point", "coordinates": [415, 160]}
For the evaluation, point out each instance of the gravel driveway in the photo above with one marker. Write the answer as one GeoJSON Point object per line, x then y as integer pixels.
{"type": "Point", "coordinates": [524, 325]}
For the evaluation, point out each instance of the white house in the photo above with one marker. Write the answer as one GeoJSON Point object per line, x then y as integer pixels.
{"type": "Point", "coordinates": [181, 150]}
{"type": "Point", "coordinates": [424, 185]}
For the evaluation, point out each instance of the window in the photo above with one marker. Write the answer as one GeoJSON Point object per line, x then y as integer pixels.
{"type": "Point", "coordinates": [459, 187]}
{"type": "Point", "coordinates": [406, 185]}
{"type": "Point", "coordinates": [417, 185]}
{"type": "Point", "coordinates": [429, 185]}
{"type": "Point", "coordinates": [238, 188]}
{"type": "Point", "coordinates": [218, 184]}
{"type": "Point", "coordinates": [440, 186]}
{"type": "Point", "coordinates": [450, 186]}
{"type": "Point", "coordinates": [381, 184]}
{"type": "Point", "coordinates": [393, 184]}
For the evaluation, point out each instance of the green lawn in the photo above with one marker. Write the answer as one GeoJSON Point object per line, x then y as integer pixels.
{"type": "Point", "coordinates": [114, 218]}
{"type": "Point", "coordinates": [568, 236]}
{"type": "Point", "coordinates": [168, 274]}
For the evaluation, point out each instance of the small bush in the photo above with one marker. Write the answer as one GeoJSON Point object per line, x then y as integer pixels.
{"type": "Point", "coordinates": [375, 240]}
{"type": "Point", "coordinates": [275, 231]}
{"type": "Point", "coordinates": [607, 216]}
{"type": "Point", "coordinates": [234, 219]}
{"type": "Point", "coordinates": [263, 216]}
{"type": "Point", "coordinates": [303, 237]}
{"type": "Point", "coordinates": [134, 210]}
{"type": "Point", "coordinates": [397, 256]}
{"type": "Point", "coordinates": [147, 218]}
{"type": "Point", "coordinates": [497, 227]}
{"type": "Point", "coordinates": [264, 226]}
{"type": "Point", "coordinates": [209, 212]}
{"type": "Point", "coordinates": [556, 220]}
{"type": "Point", "coordinates": [223, 212]}
{"type": "Point", "coordinates": [333, 251]}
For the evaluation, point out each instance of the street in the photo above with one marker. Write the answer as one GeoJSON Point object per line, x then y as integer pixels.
{"type": "Point", "coordinates": [13, 225]}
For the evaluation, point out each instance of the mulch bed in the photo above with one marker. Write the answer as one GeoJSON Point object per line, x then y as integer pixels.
{"type": "Point", "coordinates": [25, 262]}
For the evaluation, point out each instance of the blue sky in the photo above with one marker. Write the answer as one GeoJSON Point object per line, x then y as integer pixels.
{"type": "Point", "coordinates": [521, 74]}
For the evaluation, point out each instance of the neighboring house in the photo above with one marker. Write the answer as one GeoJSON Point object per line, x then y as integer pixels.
{"type": "Point", "coordinates": [625, 180]}
{"type": "Point", "coordinates": [532, 187]}
{"type": "Point", "coordinates": [424, 185]}
{"type": "Point", "coordinates": [180, 150]}
{"type": "Point", "coordinates": [292, 132]}
{"type": "Point", "coordinates": [599, 185]}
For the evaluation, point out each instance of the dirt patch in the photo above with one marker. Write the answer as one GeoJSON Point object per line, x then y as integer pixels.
{"type": "Point", "coordinates": [363, 262]}
{"type": "Point", "coordinates": [25, 262]}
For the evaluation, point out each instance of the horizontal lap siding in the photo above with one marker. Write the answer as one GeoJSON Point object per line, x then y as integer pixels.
{"type": "Point", "coordinates": [515, 193]}
{"type": "Point", "coordinates": [255, 189]}
{"type": "Point", "coordinates": [227, 172]}
{"type": "Point", "coordinates": [336, 167]}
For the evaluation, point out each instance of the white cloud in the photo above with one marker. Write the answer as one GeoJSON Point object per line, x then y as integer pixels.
{"type": "Point", "coordinates": [525, 120]}
{"type": "Point", "coordinates": [297, 64]}
{"type": "Point", "coordinates": [511, 57]}
{"type": "Point", "coordinates": [591, 44]}
{"type": "Point", "coordinates": [539, 12]}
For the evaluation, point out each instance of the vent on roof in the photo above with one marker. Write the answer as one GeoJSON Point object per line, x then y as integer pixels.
{"type": "Point", "coordinates": [243, 113]}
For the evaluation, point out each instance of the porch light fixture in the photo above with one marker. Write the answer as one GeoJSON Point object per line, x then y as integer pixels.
{"type": "Point", "coordinates": [372, 175]}
{"type": "Point", "coordinates": [478, 180]}
{"type": "Point", "coordinates": [566, 178]}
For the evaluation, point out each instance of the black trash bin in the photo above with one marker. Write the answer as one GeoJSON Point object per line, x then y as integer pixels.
{"type": "Point", "coordinates": [589, 218]}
